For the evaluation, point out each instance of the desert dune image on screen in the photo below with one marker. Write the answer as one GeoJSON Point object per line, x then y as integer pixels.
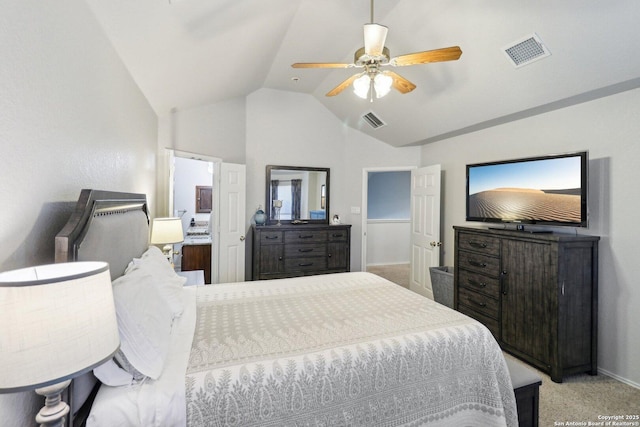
{"type": "Point", "coordinates": [541, 190]}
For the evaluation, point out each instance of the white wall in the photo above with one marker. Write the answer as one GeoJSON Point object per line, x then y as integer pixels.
{"type": "Point", "coordinates": [609, 128]}
{"type": "Point", "coordinates": [216, 130]}
{"type": "Point", "coordinates": [72, 118]}
{"type": "Point", "coordinates": [388, 242]}
{"type": "Point", "coordinates": [283, 128]}
{"type": "Point", "coordinates": [291, 129]}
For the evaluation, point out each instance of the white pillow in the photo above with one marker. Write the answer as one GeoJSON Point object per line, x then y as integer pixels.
{"type": "Point", "coordinates": [111, 374]}
{"type": "Point", "coordinates": [170, 289]}
{"type": "Point", "coordinates": [153, 257]}
{"type": "Point", "coordinates": [169, 284]}
{"type": "Point", "coordinates": [144, 322]}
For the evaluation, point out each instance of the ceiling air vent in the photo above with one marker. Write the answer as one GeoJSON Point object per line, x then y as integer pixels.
{"type": "Point", "coordinates": [373, 120]}
{"type": "Point", "coordinates": [526, 50]}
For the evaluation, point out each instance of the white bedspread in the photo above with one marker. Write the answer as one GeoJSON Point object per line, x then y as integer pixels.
{"type": "Point", "coordinates": [341, 349]}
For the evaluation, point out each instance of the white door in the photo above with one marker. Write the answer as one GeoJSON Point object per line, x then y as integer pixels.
{"type": "Point", "coordinates": [232, 223]}
{"type": "Point", "coordinates": [425, 227]}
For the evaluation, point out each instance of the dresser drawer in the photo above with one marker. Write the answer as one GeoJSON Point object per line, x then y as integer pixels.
{"type": "Point", "coordinates": [305, 236]}
{"type": "Point", "coordinates": [337, 235]}
{"type": "Point", "coordinates": [489, 286]}
{"type": "Point", "coordinates": [478, 243]}
{"type": "Point", "coordinates": [478, 302]}
{"type": "Point", "coordinates": [491, 324]}
{"type": "Point", "coordinates": [271, 237]}
{"type": "Point", "coordinates": [479, 263]}
{"type": "Point", "coordinates": [308, 250]}
{"type": "Point", "coordinates": [305, 264]}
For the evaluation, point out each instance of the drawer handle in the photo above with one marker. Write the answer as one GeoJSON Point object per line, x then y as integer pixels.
{"type": "Point", "coordinates": [337, 235]}
{"type": "Point", "coordinates": [271, 237]}
{"type": "Point", "coordinates": [305, 250]}
{"type": "Point", "coordinates": [478, 284]}
{"type": "Point", "coordinates": [307, 236]}
{"type": "Point", "coordinates": [478, 245]}
{"type": "Point", "coordinates": [477, 263]}
{"type": "Point", "coordinates": [481, 304]}
{"type": "Point", "coordinates": [305, 264]}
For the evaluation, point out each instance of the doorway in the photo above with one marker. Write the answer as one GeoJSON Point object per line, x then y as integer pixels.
{"type": "Point", "coordinates": [192, 177]}
{"type": "Point", "coordinates": [386, 223]}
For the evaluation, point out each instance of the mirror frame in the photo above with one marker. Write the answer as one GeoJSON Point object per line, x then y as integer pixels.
{"type": "Point", "coordinates": [267, 210]}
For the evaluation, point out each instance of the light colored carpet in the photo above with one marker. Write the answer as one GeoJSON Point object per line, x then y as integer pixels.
{"type": "Point", "coordinates": [578, 400]}
{"type": "Point", "coordinates": [396, 273]}
{"type": "Point", "coordinates": [583, 398]}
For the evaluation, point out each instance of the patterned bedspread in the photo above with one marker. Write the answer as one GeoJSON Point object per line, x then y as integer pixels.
{"type": "Point", "coordinates": [349, 349]}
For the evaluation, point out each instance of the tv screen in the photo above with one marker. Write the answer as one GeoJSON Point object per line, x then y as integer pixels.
{"type": "Point", "coordinates": [545, 190]}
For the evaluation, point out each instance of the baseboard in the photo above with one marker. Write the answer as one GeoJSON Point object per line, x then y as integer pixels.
{"type": "Point", "coordinates": [619, 378]}
{"type": "Point", "coordinates": [388, 263]}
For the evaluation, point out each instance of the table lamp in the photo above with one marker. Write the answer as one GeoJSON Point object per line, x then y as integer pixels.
{"type": "Point", "coordinates": [277, 205]}
{"type": "Point", "coordinates": [167, 231]}
{"type": "Point", "coordinates": [58, 322]}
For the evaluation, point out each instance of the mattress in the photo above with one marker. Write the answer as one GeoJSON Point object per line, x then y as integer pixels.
{"type": "Point", "coordinates": [340, 349]}
{"type": "Point", "coordinates": [346, 349]}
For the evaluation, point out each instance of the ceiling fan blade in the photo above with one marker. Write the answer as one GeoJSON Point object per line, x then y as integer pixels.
{"type": "Point", "coordinates": [342, 86]}
{"type": "Point", "coordinates": [437, 55]}
{"type": "Point", "coordinates": [321, 65]}
{"type": "Point", "coordinates": [375, 36]}
{"type": "Point", "coordinates": [400, 84]}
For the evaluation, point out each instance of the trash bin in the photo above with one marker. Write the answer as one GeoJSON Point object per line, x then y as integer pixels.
{"type": "Point", "coordinates": [442, 285]}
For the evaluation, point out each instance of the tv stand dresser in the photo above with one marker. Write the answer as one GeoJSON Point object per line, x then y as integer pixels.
{"type": "Point", "coordinates": [300, 250]}
{"type": "Point", "coordinates": [537, 293]}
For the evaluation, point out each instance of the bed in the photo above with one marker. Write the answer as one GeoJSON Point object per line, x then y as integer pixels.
{"type": "Point", "coordinates": [337, 349]}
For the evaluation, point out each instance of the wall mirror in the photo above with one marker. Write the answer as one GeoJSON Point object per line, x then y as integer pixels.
{"type": "Point", "coordinates": [300, 193]}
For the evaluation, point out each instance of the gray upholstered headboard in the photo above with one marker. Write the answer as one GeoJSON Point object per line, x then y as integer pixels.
{"type": "Point", "coordinates": [105, 226]}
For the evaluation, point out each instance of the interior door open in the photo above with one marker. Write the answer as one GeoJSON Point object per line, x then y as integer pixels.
{"type": "Point", "coordinates": [232, 223]}
{"type": "Point", "coordinates": [425, 227]}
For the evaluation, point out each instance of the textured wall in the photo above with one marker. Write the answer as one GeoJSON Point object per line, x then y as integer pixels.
{"type": "Point", "coordinates": [72, 118]}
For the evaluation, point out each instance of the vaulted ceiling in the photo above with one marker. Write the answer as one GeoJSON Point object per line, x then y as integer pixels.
{"type": "Point", "coordinates": [189, 53]}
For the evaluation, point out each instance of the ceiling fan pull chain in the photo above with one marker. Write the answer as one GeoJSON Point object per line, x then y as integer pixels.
{"type": "Point", "coordinates": [371, 86]}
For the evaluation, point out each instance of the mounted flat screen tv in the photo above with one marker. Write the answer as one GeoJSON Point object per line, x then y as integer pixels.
{"type": "Point", "coordinates": [545, 190]}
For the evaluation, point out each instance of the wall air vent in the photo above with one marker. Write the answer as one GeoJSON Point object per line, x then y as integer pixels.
{"type": "Point", "coordinates": [526, 50]}
{"type": "Point", "coordinates": [373, 120]}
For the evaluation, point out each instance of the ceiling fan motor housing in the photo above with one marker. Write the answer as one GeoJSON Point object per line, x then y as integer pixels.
{"type": "Point", "coordinates": [361, 58]}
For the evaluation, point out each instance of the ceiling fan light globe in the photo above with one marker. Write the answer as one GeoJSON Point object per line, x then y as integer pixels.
{"type": "Point", "coordinates": [361, 86]}
{"type": "Point", "coordinates": [382, 84]}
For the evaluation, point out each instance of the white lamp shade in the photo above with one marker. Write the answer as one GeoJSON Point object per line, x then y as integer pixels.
{"type": "Point", "coordinates": [382, 84]}
{"type": "Point", "coordinates": [166, 231]}
{"type": "Point", "coordinates": [57, 321]}
{"type": "Point", "coordinates": [361, 86]}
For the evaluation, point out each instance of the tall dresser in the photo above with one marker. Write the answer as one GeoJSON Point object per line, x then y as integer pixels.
{"type": "Point", "coordinates": [537, 293]}
{"type": "Point", "coordinates": [300, 250]}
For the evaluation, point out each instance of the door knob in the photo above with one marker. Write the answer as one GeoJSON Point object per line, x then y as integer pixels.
{"type": "Point", "coordinates": [242, 238]}
{"type": "Point", "coordinates": [434, 244]}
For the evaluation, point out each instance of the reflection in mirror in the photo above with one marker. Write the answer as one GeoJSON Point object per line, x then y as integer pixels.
{"type": "Point", "coordinates": [303, 193]}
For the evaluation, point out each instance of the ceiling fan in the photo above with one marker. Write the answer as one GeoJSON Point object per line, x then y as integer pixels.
{"type": "Point", "coordinates": [373, 56]}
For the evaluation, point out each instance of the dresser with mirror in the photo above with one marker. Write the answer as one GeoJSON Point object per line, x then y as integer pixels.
{"type": "Point", "coordinates": [297, 238]}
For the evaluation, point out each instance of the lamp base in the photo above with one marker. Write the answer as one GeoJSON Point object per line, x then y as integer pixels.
{"type": "Point", "coordinates": [54, 411]}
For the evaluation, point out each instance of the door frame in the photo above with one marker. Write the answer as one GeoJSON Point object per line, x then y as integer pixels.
{"type": "Point", "coordinates": [215, 211]}
{"type": "Point", "coordinates": [365, 198]}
